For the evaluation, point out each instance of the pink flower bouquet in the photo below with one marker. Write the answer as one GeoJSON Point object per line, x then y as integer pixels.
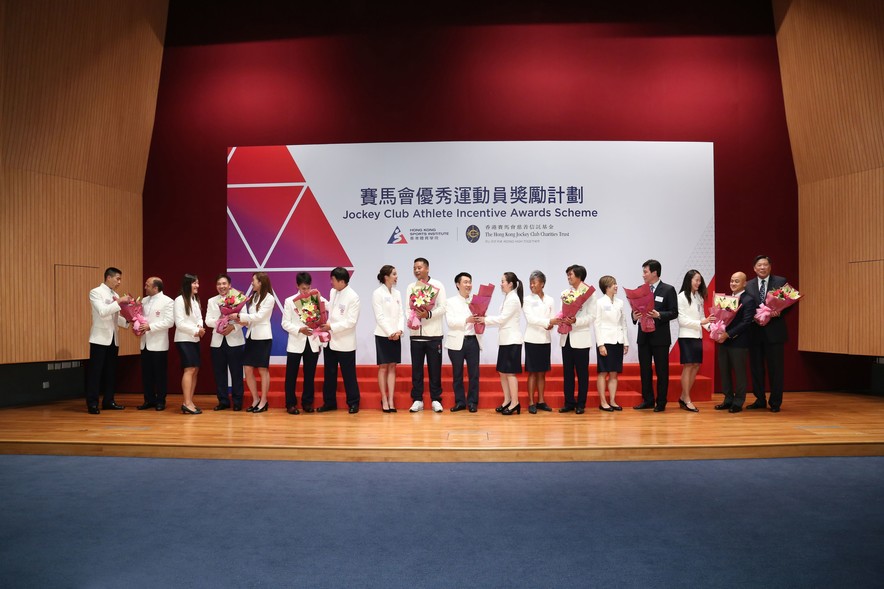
{"type": "Point", "coordinates": [724, 309]}
{"type": "Point", "coordinates": [479, 304]}
{"type": "Point", "coordinates": [572, 301]}
{"type": "Point", "coordinates": [421, 298]}
{"type": "Point", "coordinates": [312, 313]}
{"type": "Point", "coordinates": [134, 313]}
{"type": "Point", "coordinates": [641, 300]}
{"type": "Point", "coordinates": [230, 304]}
{"type": "Point", "coordinates": [777, 300]}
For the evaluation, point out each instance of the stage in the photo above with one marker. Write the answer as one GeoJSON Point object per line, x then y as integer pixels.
{"type": "Point", "coordinates": [810, 424]}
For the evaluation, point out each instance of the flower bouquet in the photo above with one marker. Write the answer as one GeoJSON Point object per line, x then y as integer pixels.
{"type": "Point", "coordinates": [724, 309]}
{"type": "Point", "coordinates": [479, 304]}
{"type": "Point", "coordinates": [641, 300]}
{"type": "Point", "coordinates": [232, 303]}
{"type": "Point", "coordinates": [134, 313]}
{"type": "Point", "coordinates": [776, 300]}
{"type": "Point", "coordinates": [572, 301]}
{"type": "Point", "coordinates": [312, 313]}
{"type": "Point", "coordinates": [421, 298]}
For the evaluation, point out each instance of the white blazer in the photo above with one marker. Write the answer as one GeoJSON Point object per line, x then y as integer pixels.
{"type": "Point", "coordinates": [581, 334]}
{"type": "Point", "coordinates": [538, 313]}
{"type": "Point", "coordinates": [187, 327]}
{"type": "Point", "coordinates": [508, 320]}
{"type": "Point", "coordinates": [160, 315]}
{"type": "Point", "coordinates": [431, 326]}
{"type": "Point", "coordinates": [609, 321]}
{"type": "Point", "coordinates": [343, 313]}
{"type": "Point", "coordinates": [388, 313]}
{"type": "Point", "coordinates": [258, 318]}
{"type": "Point", "coordinates": [457, 311]}
{"type": "Point", "coordinates": [689, 316]}
{"type": "Point", "coordinates": [291, 322]}
{"type": "Point", "coordinates": [105, 316]}
{"type": "Point", "coordinates": [213, 314]}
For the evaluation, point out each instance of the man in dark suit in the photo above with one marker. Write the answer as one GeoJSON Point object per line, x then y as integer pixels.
{"type": "Point", "coordinates": [654, 346]}
{"type": "Point", "coordinates": [766, 342]}
{"type": "Point", "coordinates": [733, 348]}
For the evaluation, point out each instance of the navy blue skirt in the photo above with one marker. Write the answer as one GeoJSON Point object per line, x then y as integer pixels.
{"type": "Point", "coordinates": [257, 353]}
{"type": "Point", "coordinates": [190, 354]}
{"type": "Point", "coordinates": [509, 359]}
{"type": "Point", "coordinates": [690, 350]}
{"type": "Point", "coordinates": [613, 362]}
{"type": "Point", "coordinates": [387, 350]}
{"type": "Point", "coordinates": [537, 357]}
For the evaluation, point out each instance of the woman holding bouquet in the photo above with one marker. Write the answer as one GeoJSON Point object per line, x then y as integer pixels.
{"type": "Point", "coordinates": [386, 302]}
{"type": "Point", "coordinates": [509, 349]}
{"type": "Point", "coordinates": [610, 336]}
{"type": "Point", "coordinates": [301, 313]}
{"type": "Point", "coordinates": [691, 320]}
{"type": "Point", "coordinates": [539, 312]}
{"type": "Point", "coordinates": [259, 339]}
{"type": "Point", "coordinates": [188, 331]}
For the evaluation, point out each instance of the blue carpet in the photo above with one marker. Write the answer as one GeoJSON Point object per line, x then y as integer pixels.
{"type": "Point", "coordinates": [129, 522]}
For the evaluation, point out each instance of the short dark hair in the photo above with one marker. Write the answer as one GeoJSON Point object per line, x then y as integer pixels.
{"type": "Point", "coordinates": [578, 271]}
{"type": "Point", "coordinates": [461, 275]}
{"type": "Point", "coordinates": [653, 266]}
{"type": "Point", "coordinates": [303, 278]}
{"type": "Point", "coordinates": [606, 282]}
{"type": "Point", "coordinates": [340, 273]}
{"type": "Point", "coordinates": [158, 284]}
{"type": "Point", "coordinates": [761, 257]}
{"type": "Point", "coordinates": [423, 261]}
{"type": "Point", "coordinates": [111, 272]}
{"type": "Point", "coordinates": [385, 271]}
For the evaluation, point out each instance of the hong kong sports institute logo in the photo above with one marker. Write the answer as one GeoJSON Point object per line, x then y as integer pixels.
{"type": "Point", "coordinates": [473, 234]}
{"type": "Point", "coordinates": [397, 237]}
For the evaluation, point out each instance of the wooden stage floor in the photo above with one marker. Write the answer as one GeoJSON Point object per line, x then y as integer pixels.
{"type": "Point", "coordinates": [810, 424]}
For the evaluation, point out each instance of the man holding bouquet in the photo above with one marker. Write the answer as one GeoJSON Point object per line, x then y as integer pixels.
{"type": "Point", "coordinates": [576, 341]}
{"type": "Point", "coordinates": [653, 346]}
{"type": "Point", "coordinates": [104, 346]}
{"type": "Point", "coordinates": [733, 348]}
{"type": "Point", "coordinates": [343, 313]}
{"type": "Point", "coordinates": [426, 338]}
{"type": "Point", "coordinates": [768, 341]}
{"type": "Point", "coordinates": [463, 344]}
{"type": "Point", "coordinates": [157, 309]}
{"type": "Point", "coordinates": [227, 348]}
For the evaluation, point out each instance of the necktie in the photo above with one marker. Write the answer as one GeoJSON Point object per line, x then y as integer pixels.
{"type": "Point", "coordinates": [763, 290]}
{"type": "Point", "coordinates": [653, 286]}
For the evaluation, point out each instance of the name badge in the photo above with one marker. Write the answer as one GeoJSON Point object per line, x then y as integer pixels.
{"type": "Point", "coordinates": [341, 309]}
{"type": "Point", "coordinates": [658, 299]}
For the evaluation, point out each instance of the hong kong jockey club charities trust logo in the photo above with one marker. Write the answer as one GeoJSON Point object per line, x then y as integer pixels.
{"type": "Point", "coordinates": [473, 234]}
{"type": "Point", "coordinates": [397, 237]}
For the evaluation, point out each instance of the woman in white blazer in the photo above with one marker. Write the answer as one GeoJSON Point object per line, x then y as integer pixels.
{"type": "Point", "coordinates": [539, 312]}
{"type": "Point", "coordinates": [691, 321]}
{"type": "Point", "coordinates": [610, 336]}
{"type": "Point", "coordinates": [302, 345]}
{"type": "Point", "coordinates": [386, 302]}
{"type": "Point", "coordinates": [259, 339]}
{"type": "Point", "coordinates": [509, 339]}
{"type": "Point", "coordinates": [188, 331]}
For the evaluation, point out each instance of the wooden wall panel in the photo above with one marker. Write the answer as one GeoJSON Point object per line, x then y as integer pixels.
{"type": "Point", "coordinates": [78, 86]}
{"type": "Point", "coordinates": [865, 283]}
{"type": "Point", "coordinates": [832, 66]}
{"type": "Point", "coordinates": [69, 321]}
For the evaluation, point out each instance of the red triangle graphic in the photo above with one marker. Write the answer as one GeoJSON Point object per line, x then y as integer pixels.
{"type": "Point", "coordinates": [308, 239]}
{"type": "Point", "coordinates": [260, 212]}
{"type": "Point", "coordinates": [252, 165]}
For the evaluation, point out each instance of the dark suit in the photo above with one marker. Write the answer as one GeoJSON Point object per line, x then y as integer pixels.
{"type": "Point", "coordinates": [733, 354]}
{"type": "Point", "coordinates": [766, 347]}
{"type": "Point", "coordinates": [654, 346]}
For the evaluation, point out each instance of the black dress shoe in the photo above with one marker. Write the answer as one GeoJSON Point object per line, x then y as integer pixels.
{"type": "Point", "coordinates": [308, 408]}
{"type": "Point", "coordinates": [756, 405]}
{"type": "Point", "coordinates": [473, 408]}
{"type": "Point", "coordinates": [93, 409]}
{"type": "Point", "coordinates": [326, 409]}
{"type": "Point", "coordinates": [532, 409]}
{"type": "Point", "coordinates": [580, 411]}
{"type": "Point", "coordinates": [735, 409]}
{"type": "Point", "coordinates": [146, 406]}
{"type": "Point", "coordinates": [659, 408]}
{"type": "Point", "coordinates": [237, 407]}
{"type": "Point", "coordinates": [353, 409]}
{"type": "Point", "coordinates": [722, 406]}
{"type": "Point", "coordinates": [544, 407]}
{"type": "Point", "coordinates": [220, 407]}
{"type": "Point", "coordinates": [161, 407]}
{"type": "Point", "coordinates": [112, 407]}
{"type": "Point", "coordinates": [458, 407]}
{"type": "Point", "coordinates": [774, 409]}
{"type": "Point", "coordinates": [566, 409]}
{"type": "Point", "coordinates": [293, 410]}
{"type": "Point", "coordinates": [608, 408]}
{"type": "Point", "coordinates": [641, 406]}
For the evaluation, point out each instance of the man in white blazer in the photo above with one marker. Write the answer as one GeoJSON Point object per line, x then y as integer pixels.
{"type": "Point", "coordinates": [426, 342]}
{"type": "Point", "coordinates": [302, 346]}
{"type": "Point", "coordinates": [343, 313]}
{"type": "Point", "coordinates": [463, 344]}
{"type": "Point", "coordinates": [104, 341]}
{"type": "Point", "coordinates": [227, 350]}
{"type": "Point", "coordinates": [154, 336]}
{"type": "Point", "coordinates": [575, 346]}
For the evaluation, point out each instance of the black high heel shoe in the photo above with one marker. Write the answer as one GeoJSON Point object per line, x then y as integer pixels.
{"type": "Point", "coordinates": [609, 409]}
{"type": "Point", "coordinates": [684, 406]}
{"type": "Point", "coordinates": [252, 408]}
{"type": "Point", "coordinates": [187, 411]}
{"type": "Point", "coordinates": [261, 409]}
{"type": "Point", "coordinates": [500, 409]}
{"type": "Point", "coordinates": [510, 410]}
